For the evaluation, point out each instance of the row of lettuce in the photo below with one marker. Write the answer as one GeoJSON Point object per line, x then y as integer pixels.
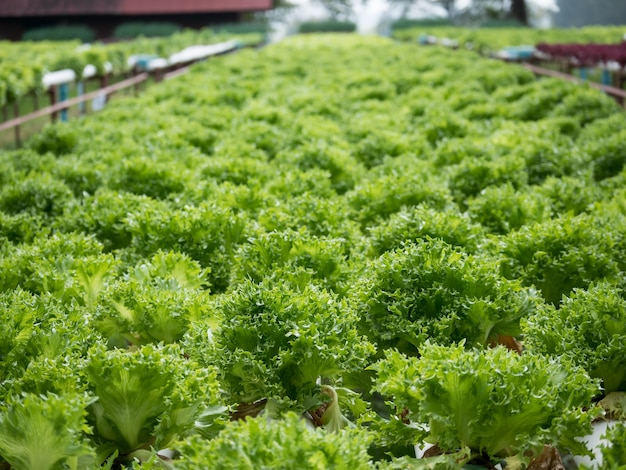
{"type": "Point", "coordinates": [23, 64]}
{"type": "Point", "coordinates": [329, 238]}
{"type": "Point", "coordinates": [489, 40]}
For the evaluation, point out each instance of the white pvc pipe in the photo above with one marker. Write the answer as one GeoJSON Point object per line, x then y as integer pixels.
{"type": "Point", "coordinates": [193, 53]}
{"type": "Point", "coordinates": [89, 71]}
{"type": "Point", "coordinates": [59, 77]}
{"type": "Point", "coordinates": [157, 64]}
{"type": "Point", "coordinates": [594, 441]}
{"type": "Point", "coordinates": [189, 54]}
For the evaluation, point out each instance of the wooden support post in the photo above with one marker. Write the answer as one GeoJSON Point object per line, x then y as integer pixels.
{"type": "Point", "coordinates": [53, 100]}
{"type": "Point", "coordinates": [568, 67]}
{"type": "Point", "coordinates": [64, 94]}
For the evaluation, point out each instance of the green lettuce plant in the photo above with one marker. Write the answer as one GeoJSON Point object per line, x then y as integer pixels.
{"type": "Point", "coordinates": [21, 228]}
{"type": "Point", "coordinates": [400, 183]}
{"type": "Point", "coordinates": [320, 217]}
{"type": "Point", "coordinates": [244, 170]}
{"type": "Point", "coordinates": [608, 154]}
{"type": "Point", "coordinates": [289, 442]}
{"type": "Point", "coordinates": [36, 195]}
{"type": "Point", "coordinates": [155, 302]}
{"type": "Point", "coordinates": [104, 215]}
{"type": "Point", "coordinates": [146, 397]}
{"type": "Point", "coordinates": [56, 139]}
{"type": "Point", "coordinates": [586, 105]}
{"type": "Point", "coordinates": [430, 290]}
{"type": "Point", "coordinates": [413, 223]}
{"type": "Point", "coordinates": [133, 313]}
{"type": "Point", "coordinates": [472, 175]}
{"type": "Point", "coordinates": [149, 177]}
{"type": "Point", "coordinates": [43, 342]}
{"type": "Point", "coordinates": [206, 233]}
{"type": "Point", "coordinates": [64, 266]}
{"type": "Point", "coordinates": [45, 432]}
{"type": "Point", "coordinates": [589, 329]}
{"type": "Point", "coordinates": [276, 342]}
{"type": "Point", "coordinates": [559, 255]}
{"type": "Point", "coordinates": [502, 209]}
{"type": "Point", "coordinates": [343, 169]}
{"type": "Point", "coordinates": [570, 194]}
{"type": "Point", "coordinates": [292, 255]}
{"type": "Point", "coordinates": [487, 402]}
{"type": "Point", "coordinates": [539, 98]}
{"type": "Point", "coordinates": [18, 318]}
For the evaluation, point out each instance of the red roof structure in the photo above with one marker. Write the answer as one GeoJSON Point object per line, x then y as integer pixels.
{"type": "Point", "coordinates": [17, 16]}
{"type": "Point", "coordinates": [21, 8]}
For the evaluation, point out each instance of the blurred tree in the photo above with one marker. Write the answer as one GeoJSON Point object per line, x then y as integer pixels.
{"type": "Point", "coordinates": [456, 10]}
{"type": "Point", "coordinates": [448, 5]}
{"type": "Point", "coordinates": [279, 9]}
{"type": "Point", "coordinates": [476, 9]}
{"type": "Point", "coordinates": [574, 13]}
{"type": "Point", "coordinates": [340, 9]}
{"type": "Point", "coordinates": [519, 11]}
